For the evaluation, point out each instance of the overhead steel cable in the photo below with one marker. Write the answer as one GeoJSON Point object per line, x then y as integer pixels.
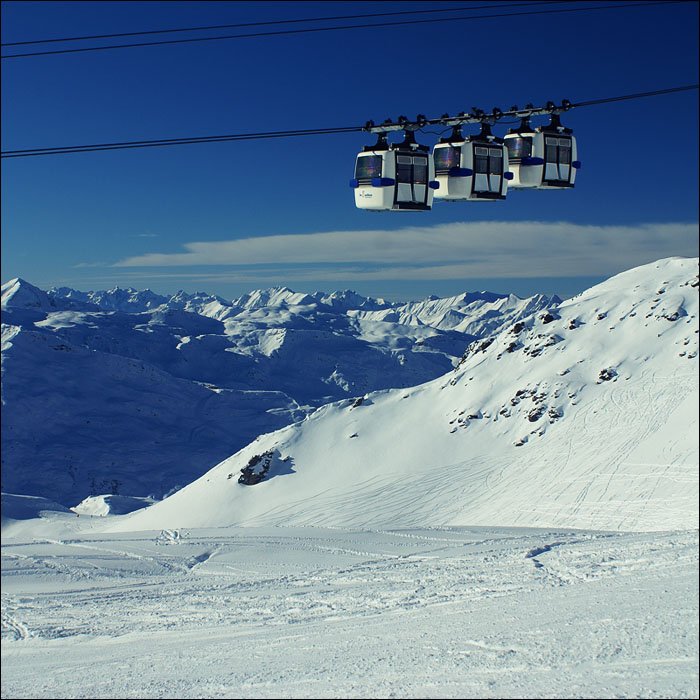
{"type": "Point", "coordinates": [284, 21]}
{"type": "Point", "coordinates": [515, 112]}
{"type": "Point", "coordinates": [634, 96]}
{"type": "Point", "coordinates": [177, 141]}
{"type": "Point", "coordinates": [626, 5]}
{"type": "Point", "coordinates": [120, 145]}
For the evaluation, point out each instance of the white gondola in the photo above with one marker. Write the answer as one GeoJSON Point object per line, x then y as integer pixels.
{"type": "Point", "coordinates": [543, 157]}
{"type": "Point", "coordinates": [472, 168]}
{"type": "Point", "coordinates": [394, 177]}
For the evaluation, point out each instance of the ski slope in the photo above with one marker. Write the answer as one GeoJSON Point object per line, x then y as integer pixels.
{"type": "Point", "coordinates": [352, 613]}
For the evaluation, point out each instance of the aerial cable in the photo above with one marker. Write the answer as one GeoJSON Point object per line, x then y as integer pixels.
{"type": "Point", "coordinates": [59, 150]}
{"type": "Point", "coordinates": [625, 5]}
{"type": "Point", "coordinates": [634, 96]}
{"type": "Point", "coordinates": [176, 142]}
{"type": "Point", "coordinates": [479, 116]}
{"type": "Point", "coordinates": [282, 21]}
{"type": "Point", "coordinates": [198, 139]}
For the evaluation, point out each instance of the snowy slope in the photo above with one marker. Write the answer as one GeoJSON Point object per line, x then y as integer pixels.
{"type": "Point", "coordinates": [130, 393]}
{"type": "Point", "coordinates": [328, 613]}
{"type": "Point", "coordinates": [583, 417]}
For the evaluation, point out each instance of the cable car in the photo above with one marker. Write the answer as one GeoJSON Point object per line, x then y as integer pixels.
{"type": "Point", "coordinates": [543, 158]}
{"type": "Point", "coordinates": [394, 177]}
{"type": "Point", "coordinates": [471, 168]}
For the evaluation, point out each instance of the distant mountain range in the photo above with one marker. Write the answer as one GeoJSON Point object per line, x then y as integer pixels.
{"type": "Point", "coordinates": [579, 415]}
{"type": "Point", "coordinates": [132, 393]}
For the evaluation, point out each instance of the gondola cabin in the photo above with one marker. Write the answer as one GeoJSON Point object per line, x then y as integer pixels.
{"type": "Point", "coordinates": [471, 169]}
{"type": "Point", "coordinates": [543, 158]}
{"type": "Point", "coordinates": [396, 177]}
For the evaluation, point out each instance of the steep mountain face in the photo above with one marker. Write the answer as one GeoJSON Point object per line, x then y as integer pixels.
{"type": "Point", "coordinates": [137, 394]}
{"type": "Point", "coordinates": [583, 416]}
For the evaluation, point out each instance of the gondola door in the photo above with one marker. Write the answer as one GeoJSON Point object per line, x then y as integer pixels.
{"type": "Point", "coordinates": [488, 169]}
{"type": "Point", "coordinates": [411, 180]}
{"type": "Point", "coordinates": [557, 159]}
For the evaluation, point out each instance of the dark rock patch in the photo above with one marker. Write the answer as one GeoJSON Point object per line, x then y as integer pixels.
{"type": "Point", "coordinates": [256, 469]}
{"type": "Point", "coordinates": [536, 413]}
{"type": "Point", "coordinates": [606, 375]}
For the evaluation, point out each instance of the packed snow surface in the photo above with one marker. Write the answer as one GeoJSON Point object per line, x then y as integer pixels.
{"type": "Point", "coordinates": [354, 613]}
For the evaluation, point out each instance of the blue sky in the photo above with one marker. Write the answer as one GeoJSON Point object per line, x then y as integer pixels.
{"type": "Point", "coordinates": [230, 217]}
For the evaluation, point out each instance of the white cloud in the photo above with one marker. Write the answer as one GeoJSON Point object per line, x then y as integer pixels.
{"type": "Point", "coordinates": [92, 264]}
{"type": "Point", "coordinates": [447, 251]}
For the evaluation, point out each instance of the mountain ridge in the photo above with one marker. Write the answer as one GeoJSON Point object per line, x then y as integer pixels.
{"type": "Point", "coordinates": [144, 395]}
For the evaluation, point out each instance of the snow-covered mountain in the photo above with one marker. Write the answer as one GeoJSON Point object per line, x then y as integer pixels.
{"type": "Point", "coordinates": [584, 414]}
{"type": "Point", "coordinates": [132, 393]}
{"type": "Point", "coordinates": [581, 416]}
{"type": "Point", "coordinates": [458, 313]}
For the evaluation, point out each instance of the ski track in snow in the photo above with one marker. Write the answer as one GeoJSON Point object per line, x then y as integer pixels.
{"type": "Point", "coordinates": [619, 428]}
{"type": "Point", "coordinates": [278, 612]}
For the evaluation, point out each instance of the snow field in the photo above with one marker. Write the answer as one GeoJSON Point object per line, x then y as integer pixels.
{"type": "Point", "coordinates": [312, 612]}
